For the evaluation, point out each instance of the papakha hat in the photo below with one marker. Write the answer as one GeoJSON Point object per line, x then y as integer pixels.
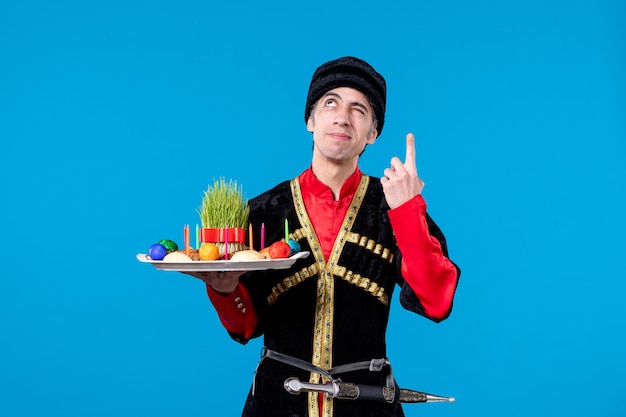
{"type": "Point", "coordinates": [349, 72]}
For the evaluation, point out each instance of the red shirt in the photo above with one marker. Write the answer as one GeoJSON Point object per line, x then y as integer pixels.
{"type": "Point", "coordinates": [428, 272]}
{"type": "Point", "coordinates": [326, 213]}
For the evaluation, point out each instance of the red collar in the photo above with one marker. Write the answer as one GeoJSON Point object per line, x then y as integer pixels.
{"type": "Point", "coordinates": [310, 184]}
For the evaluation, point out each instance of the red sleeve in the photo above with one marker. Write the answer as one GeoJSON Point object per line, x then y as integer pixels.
{"type": "Point", "coordinates": [235, 310]}
{"type": "Point", "coordinates": [430, 274]}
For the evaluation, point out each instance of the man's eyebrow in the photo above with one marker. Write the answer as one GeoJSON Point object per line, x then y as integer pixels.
{"type": "Point", "coordinates": [331, 94]}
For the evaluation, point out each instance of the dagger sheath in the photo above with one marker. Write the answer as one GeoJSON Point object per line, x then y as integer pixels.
{"type": "Point", "coordinates": [350, 391]}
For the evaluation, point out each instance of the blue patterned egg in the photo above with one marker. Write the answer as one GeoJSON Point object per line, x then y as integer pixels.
{"type": "Point", "coordinates": [294, 246]}
{"type": "Point", "coordinates": [157, 252]}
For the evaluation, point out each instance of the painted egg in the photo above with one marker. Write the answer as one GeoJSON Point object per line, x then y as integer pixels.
{"type": "Point", "coordinates": [280, 249]}
{"type": "Point", "coordinates": [157, 252]}
{"type": "Point", "coordinates": [170, 245]}
{"type": "Point", "coordinates": [294, 246]}
{"type": "Point", "coordinates": [177, 257]}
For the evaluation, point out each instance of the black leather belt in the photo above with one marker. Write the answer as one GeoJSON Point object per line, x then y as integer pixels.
{"type": "Point", "coordinates": [335, 388]}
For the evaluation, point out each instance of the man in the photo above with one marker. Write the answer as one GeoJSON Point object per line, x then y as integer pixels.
{"type": "Point", "coordinates": [365, 236]}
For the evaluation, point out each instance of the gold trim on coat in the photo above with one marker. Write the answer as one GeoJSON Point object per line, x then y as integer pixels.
{"type": "Point", "coordinates": [325, 308]}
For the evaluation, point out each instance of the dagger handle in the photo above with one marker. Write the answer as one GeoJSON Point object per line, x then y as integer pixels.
{"type": "Point", "coordinates": [295, 386]}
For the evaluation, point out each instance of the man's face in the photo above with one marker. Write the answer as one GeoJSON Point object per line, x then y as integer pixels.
{"type": "Point", "coordinates": [342, 124]}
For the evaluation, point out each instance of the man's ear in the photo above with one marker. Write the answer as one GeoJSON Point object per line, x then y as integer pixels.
{"type": "Point", "coordinates": [310, 124]}
{"type": "Point", "coordinates": [372, 138]}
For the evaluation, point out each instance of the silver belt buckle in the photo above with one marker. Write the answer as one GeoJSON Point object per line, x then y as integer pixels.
{"type": "Point", "coordinates": [376, 365]}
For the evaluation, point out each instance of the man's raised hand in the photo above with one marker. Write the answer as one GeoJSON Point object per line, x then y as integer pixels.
{"type": "Point", "coordinates": [400, 181]}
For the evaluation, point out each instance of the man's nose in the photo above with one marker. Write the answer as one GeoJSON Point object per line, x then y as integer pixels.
{"type": "Point", "coordinates": [342, 116]}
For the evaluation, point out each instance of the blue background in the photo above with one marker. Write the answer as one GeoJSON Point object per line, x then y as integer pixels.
{"type": "Point", "coordinates": [115, 116]}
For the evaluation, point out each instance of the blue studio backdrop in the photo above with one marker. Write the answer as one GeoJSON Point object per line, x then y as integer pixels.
{"type": "Point", "coordinates": [115, 116]}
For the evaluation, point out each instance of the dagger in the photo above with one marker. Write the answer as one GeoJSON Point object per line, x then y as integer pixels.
{"type": "Point", "coordinates": [350, 391]}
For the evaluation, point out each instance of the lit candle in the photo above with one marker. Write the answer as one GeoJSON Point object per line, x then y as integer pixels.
{"type": "Point", "coordinates": [250, 236]}
{"type": "Point", "coordinates": [262, 235]}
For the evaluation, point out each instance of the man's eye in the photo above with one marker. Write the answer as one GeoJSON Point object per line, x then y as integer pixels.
{"type": "Point", "coordinates": [331, 103]}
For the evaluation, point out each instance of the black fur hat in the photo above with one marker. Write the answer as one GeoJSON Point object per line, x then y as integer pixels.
{"type": "Point", "coordinates": [349, 72]}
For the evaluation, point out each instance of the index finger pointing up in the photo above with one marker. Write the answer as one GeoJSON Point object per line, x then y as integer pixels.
{"type": "Point", "coordinates": [409, 161]}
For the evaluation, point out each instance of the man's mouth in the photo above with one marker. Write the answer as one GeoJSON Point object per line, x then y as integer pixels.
{"type": "Point", "coordinates": [339, 136]}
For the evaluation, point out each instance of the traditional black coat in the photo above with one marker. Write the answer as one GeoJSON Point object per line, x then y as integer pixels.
{"type": "Point", "coordinates": [328, 313]}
